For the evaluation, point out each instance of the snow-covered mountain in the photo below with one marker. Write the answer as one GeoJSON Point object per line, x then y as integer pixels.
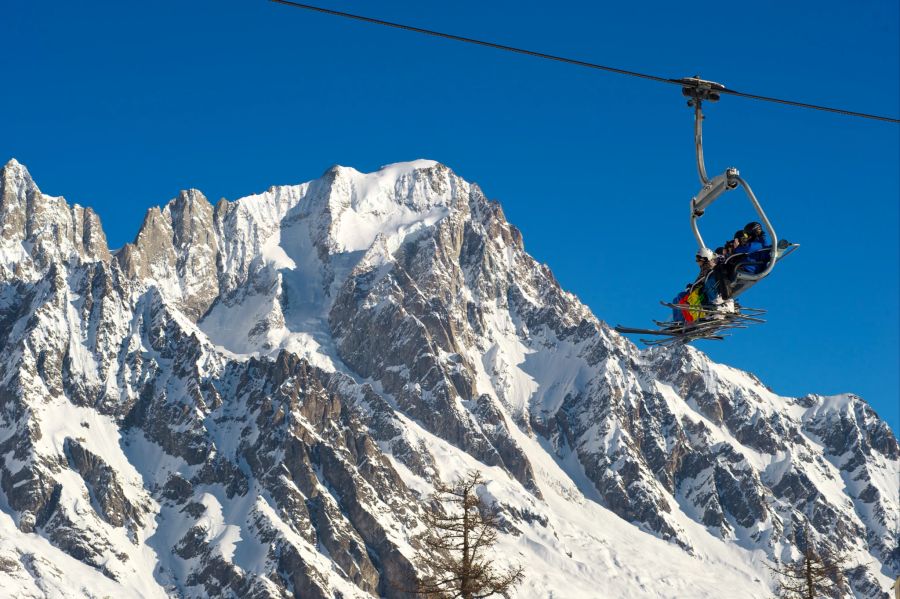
{"type": "Point", "coordinates": [253, 399]}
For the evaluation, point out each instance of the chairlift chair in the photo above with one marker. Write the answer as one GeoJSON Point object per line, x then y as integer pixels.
{"type": "Point", "coordinates": [715, 326]}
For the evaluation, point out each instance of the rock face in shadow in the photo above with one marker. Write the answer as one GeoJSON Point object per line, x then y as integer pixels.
{"type": "Point", "coordinates": [103, 485]}
{"type": "Point", "coordinates": [254, 399]}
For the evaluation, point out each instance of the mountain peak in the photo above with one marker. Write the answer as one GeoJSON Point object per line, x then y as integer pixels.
{"type": "Point", "coordinates": [359, 205]}
{"type": "Point", "coordinates": [15, 183]}
{"type": "Point", "coordinates": [404, 168]}
{"type": "Point", "coordinates": [394, 169]}
{"type": "Point", "coordinates": [37, 229]}
{"type": "Point", "coordinates": [14, 166]}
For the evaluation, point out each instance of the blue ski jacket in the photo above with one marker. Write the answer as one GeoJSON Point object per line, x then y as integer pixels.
{"type": "Point", "coordinates": [759, 253]}
{"type": "Point", "coordinates": [756, 256]}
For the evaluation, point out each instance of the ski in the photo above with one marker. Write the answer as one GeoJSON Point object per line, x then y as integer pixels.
{"type": "Point", "coordinates": [713, 324]}
{"type": "Point", "coordinates": [712, 308]}
{"type": "Point", "coordinates": [726, 318]}
{"type": "Point", "coordinates": [690, 331]}
{"type": "Point", "coordinates": [633, 331]}
{"type": "Point", "coordinates": [673, 340]}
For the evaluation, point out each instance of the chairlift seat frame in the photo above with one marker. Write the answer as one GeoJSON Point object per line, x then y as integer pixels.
{"type": "Point", "coordinates": [715, 327]}
{"type": "Point", "coordinates": [699, 90]}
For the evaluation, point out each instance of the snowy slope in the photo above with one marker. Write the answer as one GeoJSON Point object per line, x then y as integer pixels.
{"type": "Point", "coordinates": [253, 399]}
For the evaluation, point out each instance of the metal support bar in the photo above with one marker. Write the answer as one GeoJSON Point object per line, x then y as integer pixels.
{"type": "Point", "coordinates": [699, 90]}
{"type": "Point", "coordinates": [712, 191]}
{"type": "Point", "coordinates": [698, 140]}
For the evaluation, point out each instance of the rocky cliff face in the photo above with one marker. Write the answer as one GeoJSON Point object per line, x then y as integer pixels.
{"type": "Point", "coordinates": [252, 400]}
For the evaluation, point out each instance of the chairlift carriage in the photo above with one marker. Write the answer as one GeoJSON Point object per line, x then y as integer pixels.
{"type": "Point", "coordinates": [711, 322]}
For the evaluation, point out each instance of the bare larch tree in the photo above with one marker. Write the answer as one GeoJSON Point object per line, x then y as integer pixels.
{"type": "Point", "coordinates": [818, 573]}
{"type": "Point", "coordinates": [462, 529]}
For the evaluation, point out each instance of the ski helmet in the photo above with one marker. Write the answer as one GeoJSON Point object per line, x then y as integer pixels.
{"type": "Point", "coordinates": [754, 229]}
{"type": "Point", "coordinates": [706, 254]}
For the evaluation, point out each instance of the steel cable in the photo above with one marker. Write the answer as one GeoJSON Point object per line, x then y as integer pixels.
{"type": "Point", "coordinates": [572, 61]}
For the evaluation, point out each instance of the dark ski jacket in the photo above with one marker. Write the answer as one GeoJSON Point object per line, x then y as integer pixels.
{"type": "Point", "coordinates": [712, 286]}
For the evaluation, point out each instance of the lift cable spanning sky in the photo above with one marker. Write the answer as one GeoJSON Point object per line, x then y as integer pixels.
{"type": "Point", "coordinates": [580, 63]}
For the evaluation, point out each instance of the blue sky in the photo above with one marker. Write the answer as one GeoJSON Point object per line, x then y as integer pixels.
{"type": "Point", "coordinates": [119, 105]}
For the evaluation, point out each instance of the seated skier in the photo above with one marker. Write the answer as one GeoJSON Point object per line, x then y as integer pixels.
{"type": "Point", "coordinates": [739, 256]}
{"type": "Point", "coordinates": [716, 288]}
{"type": "Point", "coordinates": [750, 253]}
{"type": "Point", "coordinates": [677, 314]}
{"type": "Point", "coordinates": [739, 242]}
{"type": "Point", "coordinates": [759, 250]}
{"type": "Point", "coordinates": [703, 291]}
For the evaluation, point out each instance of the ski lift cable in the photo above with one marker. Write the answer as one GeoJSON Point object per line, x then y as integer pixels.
{"type": "Point", "coordinates": [580, 63]}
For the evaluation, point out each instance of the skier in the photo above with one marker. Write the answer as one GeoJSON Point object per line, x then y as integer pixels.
{"type": "Point", "coordinates": [759, 250]}
{"type": "Point", "coordinates": [750, 253]}
{"type": "Point", "coordinates": [695, 294]}
{"type": "Point", "coordinates": [739, 242]}
{"type": "Point", "coordinates": [755, 231]}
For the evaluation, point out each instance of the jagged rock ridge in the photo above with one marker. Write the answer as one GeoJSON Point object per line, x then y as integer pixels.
{"type": "Point", "coordinates": [252, 399]}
